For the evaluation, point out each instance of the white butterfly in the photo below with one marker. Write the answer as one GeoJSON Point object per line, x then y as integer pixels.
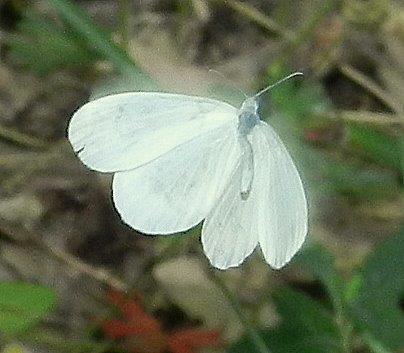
{"type": "Point", "coordinates": [181, 159]}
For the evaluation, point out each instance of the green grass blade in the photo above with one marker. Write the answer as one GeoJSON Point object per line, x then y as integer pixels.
{"type": "Point", "coordinates": [96, 38]}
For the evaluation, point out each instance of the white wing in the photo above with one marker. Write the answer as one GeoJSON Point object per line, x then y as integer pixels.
{"type": "Point", "coordinates": [230, 233]}
{"type": "Point", "coordinates": [274, 215]}
{"type": "Point", "coordinates": [282, 205]}
{"type": "Point", "coordinates": [123, 131]}
{"type": "Point", "coordinates": [176, 191]}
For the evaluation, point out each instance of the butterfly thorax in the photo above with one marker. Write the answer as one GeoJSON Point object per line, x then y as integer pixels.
{"type": "Point", "coordinates": [248, 116]}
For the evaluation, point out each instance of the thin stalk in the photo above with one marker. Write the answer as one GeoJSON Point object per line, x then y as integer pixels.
{"type": "Point", "coordinates": [401, 142]}
{"type": "Point", "coordinates": [256, 16]}
{"type": "Point", "coordinates": [24, 238]}
{"type": "Point", "coordinates": [74, 263]}
{"type": "Point", "coordinates": [21, 139]}
{"type": "Point", "coordinates": [254, 335]}
{"type": "Point", "coordinates": [381, 94]}
{"type": "Point", "coordinates": [374, 345]}
{"type": "Point", "coordinates": [345, 329]}
{"type": "Point", "coordinates": [334, 287]}
{"type": "Point", "coordinates": [368, 117]}
{"type": "Point", "coordinates": [305, 31]}
{"type": "Point", "coordinates": [319, 13]}
{"type": "Point", "coordinates": [372, 87]}
{"type": "Point", "coordinates": [125, 22]}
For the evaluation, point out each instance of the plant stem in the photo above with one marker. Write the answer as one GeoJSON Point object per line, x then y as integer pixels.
{"type": "Point", "coordinates": [372, 87]}
{"type": "Point", "coordinates": [125, 21]}
{"type": "Point", "coordinates": [374, 345]}
{"type": "Point", "coordinates": [259, 18]}
{"type": "Point", "coordinates": [19, 138]}
{"type": "Point", "coordinates": [345, 328]}
{"type": "Point", "coordinates": [368, 117]}
{"type": "Point", "coordinates": [24, 237]}
{"type": "Point", "coordinates": [319, 12]}
{"type": "Point", "coordinates": [381, 94]}
{"type": "Point", "coordinates": [302, 34]}
{"type": "Point", "coordinates": [254, 335]}
{"type": "Point", "coordinates": [79, 266]}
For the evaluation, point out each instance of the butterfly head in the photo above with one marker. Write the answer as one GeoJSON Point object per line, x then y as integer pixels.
{"type": "Point", "coordinates": [250, 105]}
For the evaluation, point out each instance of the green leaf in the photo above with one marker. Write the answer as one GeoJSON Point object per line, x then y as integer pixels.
{"type": "Point", "coordinates": [346, 177]}
{"type": "Point", "coordinates": [352, 288]}
{"type": "Point", "coordinates": [382, 149]}
{"type": "Point", "coordinates": [98, 40]}
{"type": "Point", "coordinates": [43, 46]}
{"type": "Point", "coordinates": [306, 327]}
{"type": "Point", "coordinates": [23, 305]}
{"type": "Point", "coordinates": [317, 260]}
{"type": "Point", "coordinates": [13, 348]}
{"type": "Point", "coordinates": [362, 182]}
{"type": "Point", "coordinates": [374, 345]}
{"type": "Point", "coordinates": [377, 307]}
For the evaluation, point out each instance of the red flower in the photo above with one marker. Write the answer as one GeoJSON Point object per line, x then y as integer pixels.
{"type": "Point", "coordinates": [144, 334]}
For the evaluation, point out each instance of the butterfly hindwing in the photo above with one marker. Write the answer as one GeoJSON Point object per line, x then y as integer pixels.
{"type": "Point", "coordinates": [230, 233]}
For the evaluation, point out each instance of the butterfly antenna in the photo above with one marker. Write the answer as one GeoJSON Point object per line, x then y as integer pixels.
{"type": "Point", "coordinates": [227, 79]}
{"type": "Point", "coordinates": [278, 83]}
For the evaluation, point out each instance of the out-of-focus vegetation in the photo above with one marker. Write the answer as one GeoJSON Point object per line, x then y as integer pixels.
{"type": "Point", "coordinates": [63, 248]}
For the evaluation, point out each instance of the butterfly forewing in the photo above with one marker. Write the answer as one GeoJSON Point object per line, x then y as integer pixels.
{"type": "Point", "coordinates": [124, 131]}
{"type": "Point", "coordinates": [282, 205]}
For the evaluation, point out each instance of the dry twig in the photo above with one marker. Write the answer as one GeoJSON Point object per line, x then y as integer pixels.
{"type": "Point", "coordinates": [259, 18]}
{"type": "Point", "coordinates": [372, 87]}
{"type": "Point", "coordinates": [24, 238]}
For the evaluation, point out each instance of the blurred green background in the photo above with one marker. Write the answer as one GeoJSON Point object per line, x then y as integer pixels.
{"type": "Point", "coordinates": [63, 248]}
